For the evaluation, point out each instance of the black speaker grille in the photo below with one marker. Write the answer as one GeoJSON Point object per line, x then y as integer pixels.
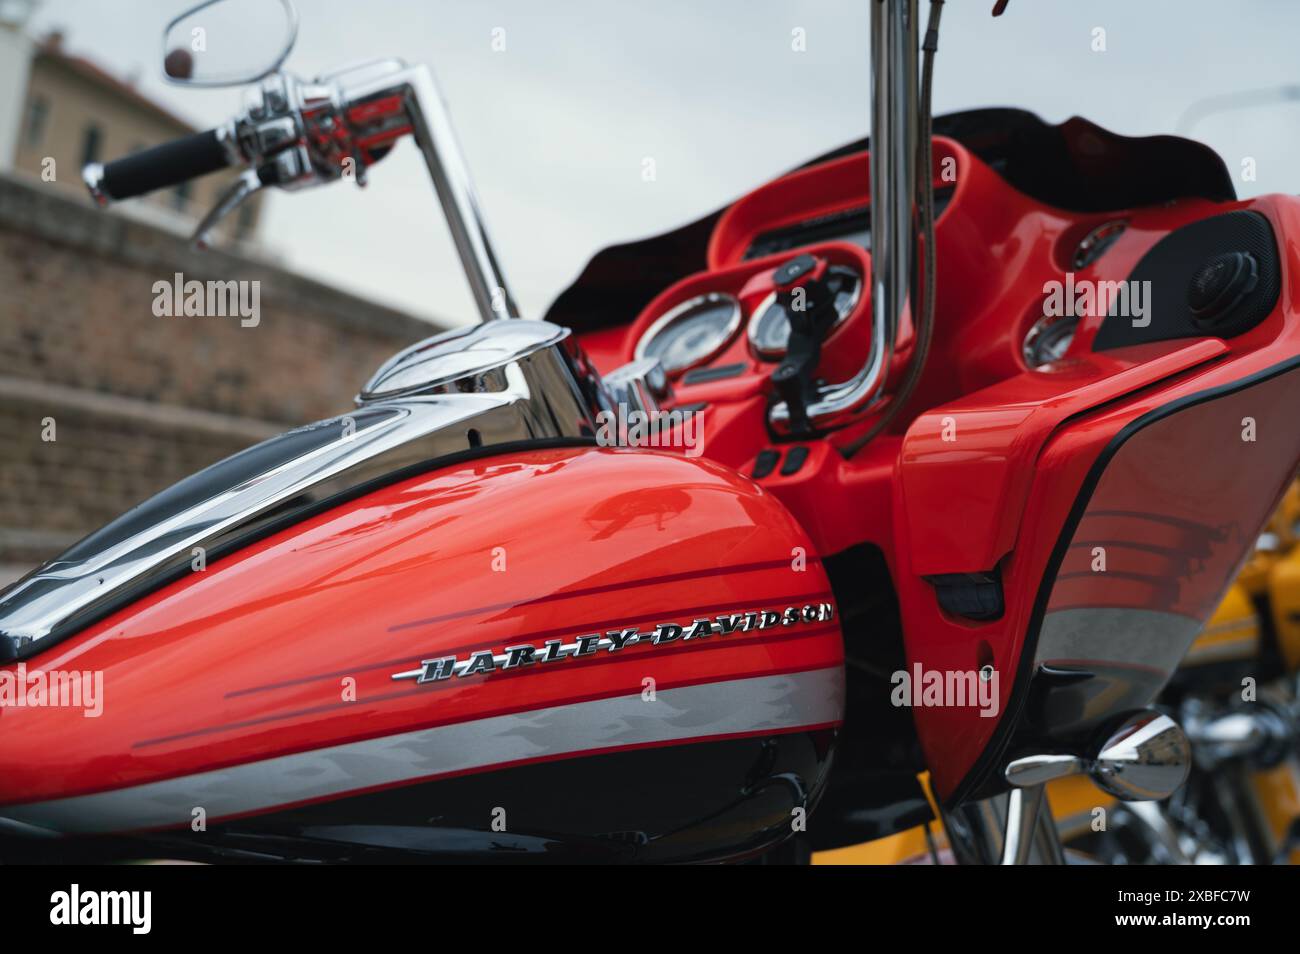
{"type": "Point", "coordinates": [1172, 264]}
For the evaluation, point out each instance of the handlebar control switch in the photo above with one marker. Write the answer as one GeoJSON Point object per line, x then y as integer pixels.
{"type": "Point", "coordinates": [803, 292]}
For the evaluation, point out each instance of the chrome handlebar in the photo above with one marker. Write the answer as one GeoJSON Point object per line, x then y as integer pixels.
{"type": "Point", "coordinates": [894, 122]}
{"type": "Point", "coordinates": [297, 134]}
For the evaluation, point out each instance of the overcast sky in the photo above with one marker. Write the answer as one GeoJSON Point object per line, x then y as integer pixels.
{"type": "Point", "coordinates": [556, 126]}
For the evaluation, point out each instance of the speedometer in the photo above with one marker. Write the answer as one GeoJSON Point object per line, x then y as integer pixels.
{"type": "Point", "coordinates": [691, 333]}
{"type": "Point", "coordinates": [769, 331]}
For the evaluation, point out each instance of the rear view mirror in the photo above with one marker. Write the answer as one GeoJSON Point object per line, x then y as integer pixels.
{"type": "Point", "coordinates": [229, 42]}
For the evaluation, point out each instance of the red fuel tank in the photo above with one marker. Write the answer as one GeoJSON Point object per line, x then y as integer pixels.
{"type": "Point", "coordinates": [584, 652]}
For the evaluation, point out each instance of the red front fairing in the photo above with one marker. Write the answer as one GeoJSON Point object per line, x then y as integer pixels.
{"type": "Point", "coordinates": [983, 471]}
{"type": "Point", "coordinates": [1137, 450]}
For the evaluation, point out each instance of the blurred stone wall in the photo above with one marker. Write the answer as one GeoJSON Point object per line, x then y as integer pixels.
{"type": "Point", "coordinates": [137, 401]}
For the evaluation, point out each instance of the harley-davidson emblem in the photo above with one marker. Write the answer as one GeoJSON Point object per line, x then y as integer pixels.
{"type": "Point", "coordinates": [614, 640]}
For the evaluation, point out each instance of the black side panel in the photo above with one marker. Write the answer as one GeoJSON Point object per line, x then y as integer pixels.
{"type": "Point", "coordinates": [1076, 165]}
{"type": "Point", "coordinates": [873, 790]}
{"type": "Point", "coordinates": [1173, 262]}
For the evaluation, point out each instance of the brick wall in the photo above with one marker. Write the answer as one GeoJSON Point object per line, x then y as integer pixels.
{"type": "Point", "coordinates": [139, 401]}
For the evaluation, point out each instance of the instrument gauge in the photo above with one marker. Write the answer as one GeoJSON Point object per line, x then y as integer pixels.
{"type": "Point", "coordinates": [769, 329]}
{"type": "Point", "coordinates": [692, 332]}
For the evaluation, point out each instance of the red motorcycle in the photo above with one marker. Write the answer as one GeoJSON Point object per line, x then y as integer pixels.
{"type": "Point", "coordinates": [935, 453]}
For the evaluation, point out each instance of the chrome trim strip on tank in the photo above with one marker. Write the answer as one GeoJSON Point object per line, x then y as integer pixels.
{"type": "Point", "coordinates": [738, 707]}
{"type": "Point", "coordinates": [548, 394]}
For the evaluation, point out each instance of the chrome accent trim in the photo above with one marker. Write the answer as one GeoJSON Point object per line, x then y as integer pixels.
{"type": "Point", "coordinates": [275, 133]}
{"type": "Point", "coordinates": [1045, 324]}
{"type": "Point", "coordinates": [1016, 828]}
{"type": "Point", "coordinates": [976, 830]}
{"type": "Point", "coordinates": [1096, 243]}
{"type": "Point", "coordinates": [724, 707]}
{"type": "Point", "coordinates": [773, 354]}
{"type": "Point", "coordinates": [1032, 771]}
{"type": "Point", "coordinates": [1146, 758]}
{"type": "Point", "coordinates": [676, 312]}
{"type": "Point", "coordinates": [228, 139]}
{"type": "Point", "coordinates": [247, 184]}
{"type": "Point", "coordinates": [640, 385]}
{"type": "Point", "coordinates": [549, 395]}
{"type": "Point", "coordinates": [451, 179]}
{"type": "Point", "coordinates": [1259, 734]}
{"type": "Point", "coordinates": [894, 113]}
{"type": "Point", "coordinates": [513, 658]}
{"type": "Point", "coordinates": [458, 360]}
{"type": "Point", "coordinates": [1024, 809]}
{"type": "Point", "coordinates": [92, 174]}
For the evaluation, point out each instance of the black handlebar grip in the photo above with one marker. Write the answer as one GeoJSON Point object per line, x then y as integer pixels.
{"type": "Point", "coordinates": [158, 167]}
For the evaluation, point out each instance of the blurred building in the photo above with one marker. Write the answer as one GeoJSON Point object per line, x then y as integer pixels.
{"type": "Point", "coordinates": [15, 64]}
{"type": "Point", "coordinates": [103, 402]}
{"type": "Point", "coordinates": [72, 112]}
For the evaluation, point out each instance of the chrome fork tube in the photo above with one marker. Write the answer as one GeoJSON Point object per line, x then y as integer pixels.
{"type": "Point", "coordinates": [1024, 806]}
{"type": "Point", "coordinates": [1012, 829]}
{"type": "Point", "coordinates": [976, 832]}
{"type": "Point", "coordinates": [1047, 848]}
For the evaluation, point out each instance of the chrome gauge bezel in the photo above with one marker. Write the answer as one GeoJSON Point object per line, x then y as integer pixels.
{"type": "Point", "coordinates": [1045, 324]}
{"type": "Point", "coordinates": [772, 354]}
{"type": "Point", "coordinates": [1097, 242]}
{"type": "Point", "coordinates": [677, 312]}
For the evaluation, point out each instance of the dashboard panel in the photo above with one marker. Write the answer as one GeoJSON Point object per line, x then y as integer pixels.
{"type": "Point", "coordinates": [728, 316]}
{"type": "Point", "coordinates": [828, 202]}
{"type": "Point", "coordinates": [847, 225]}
